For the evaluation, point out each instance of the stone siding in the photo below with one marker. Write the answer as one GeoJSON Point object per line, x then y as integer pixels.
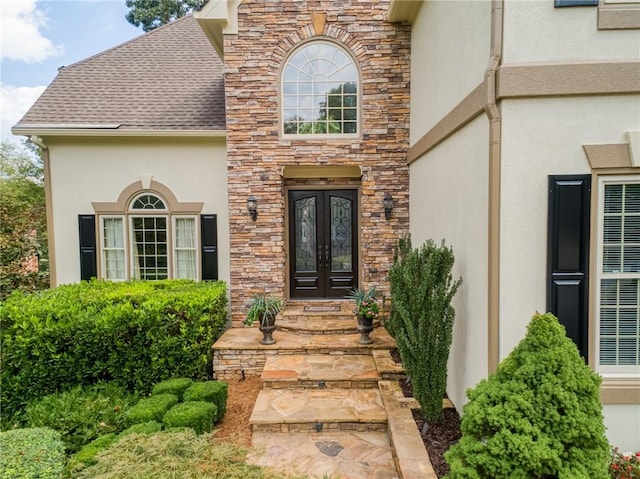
{"type": "Point", "coordinates": [268, 31]}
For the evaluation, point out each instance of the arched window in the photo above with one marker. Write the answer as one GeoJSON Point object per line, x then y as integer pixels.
{"type": "Point", "coordinates": [149, 242]}
{"type": "Point", "coordinates": [320, 87]}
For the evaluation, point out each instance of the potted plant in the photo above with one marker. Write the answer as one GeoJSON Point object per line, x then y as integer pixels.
{"type": "Point", "coordinates": [367, 309]}
{"type": "Point", "coordinates": [264, 308]}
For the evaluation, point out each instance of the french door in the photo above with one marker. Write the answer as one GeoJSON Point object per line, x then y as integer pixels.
{"type": "Point", "coordinates": [323, 243]}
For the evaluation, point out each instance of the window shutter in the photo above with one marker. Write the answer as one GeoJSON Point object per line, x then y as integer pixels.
{"type": "Point", "coordinates": [568, 254]}
{"type": "Point", "coordinates": [209, 239]}
{"type": "Point", "coordinates": [88, 258]}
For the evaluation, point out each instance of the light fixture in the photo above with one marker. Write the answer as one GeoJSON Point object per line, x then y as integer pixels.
{"type": "Point", "coordinates": [252, 206]}
{"type": "Point", "coordinates": [388, 205]}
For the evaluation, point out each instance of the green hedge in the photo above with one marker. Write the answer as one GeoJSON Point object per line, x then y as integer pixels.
{"type": "Point", "coordinates": [35, 453]}
{"type": "Point", "coordinates": [175, 386]}
{"type": "Point", "coordinates": [198, 415]}
{"type": "Point", "coordinates": [151, 409]}
{"type": "Point", "coordinates": [135, 333]}
{"type": "Point", "coordinates": [210, 391]}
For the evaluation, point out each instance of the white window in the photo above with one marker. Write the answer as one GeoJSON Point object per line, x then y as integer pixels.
{"type": "Point", "coordinates": [320, 87]}
{"type": "Point", "coordinates": [618, 282]}
{"type": "Point", "coordinates": [160, 245]}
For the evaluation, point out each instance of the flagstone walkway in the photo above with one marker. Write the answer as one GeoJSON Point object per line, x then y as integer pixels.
{"type": "Point", "coordinates": [329, 405]}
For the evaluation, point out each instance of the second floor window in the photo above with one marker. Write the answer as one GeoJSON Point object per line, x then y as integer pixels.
{"type": "Point", "coordinates": [320, 88]}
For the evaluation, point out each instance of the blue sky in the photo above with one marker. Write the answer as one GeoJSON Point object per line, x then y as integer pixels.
{"type": "Point", "coordinates": [39, 36]}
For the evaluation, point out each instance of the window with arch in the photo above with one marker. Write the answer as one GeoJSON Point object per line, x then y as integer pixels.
{"type": "Point", "coordinates": [148, 242]}
{"type": "Point", "coordinates": [320, 87]}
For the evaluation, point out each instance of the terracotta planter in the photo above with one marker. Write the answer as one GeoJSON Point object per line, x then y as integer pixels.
{"type": "Point", "coordinates": [267, 327]}
{"type": "Point", "coordinates": [365, 326]}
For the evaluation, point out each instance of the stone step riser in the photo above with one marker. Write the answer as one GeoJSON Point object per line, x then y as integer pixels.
{"type": "Point", "coordinates": [320, 384]}
{"type": "Point", "coordinates": [324, 427]}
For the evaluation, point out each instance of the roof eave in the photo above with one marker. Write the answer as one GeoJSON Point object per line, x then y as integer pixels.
{"type": "Point", "coordinates": [403, 10]}
{"type": "Point", "coordinates": [110, 130]}
{"type": "Point", "coordinates": [217, 18]}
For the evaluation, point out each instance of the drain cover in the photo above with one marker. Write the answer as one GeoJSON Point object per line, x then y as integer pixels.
{"type": "Point", "coordinates": [329, 448]}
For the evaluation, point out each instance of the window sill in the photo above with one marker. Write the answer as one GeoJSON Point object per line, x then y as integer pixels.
{"type": "Point", "coordinates": [622, 16]}
{"type": "Point", "coordinates": [620, 391]}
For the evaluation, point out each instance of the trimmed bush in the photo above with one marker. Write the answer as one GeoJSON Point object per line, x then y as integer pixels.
{"type": "Point", "coordinates": [82, 414]}
{"type": "Point", "coordinates": [421, 321]}
{"type": "Point", "coordinates": [210, 391]}
{"type": "Point", "coordinates": [87, 454]}
{"type": "Point", "coordinates": [150, 427]}
{"type": "Point", "coordinates": [538, 416]}
{"type": "Point", "coordinates": [175, 386]}
{"type": "Point", "coordinates": [150, 409]}
{"type": "Point", "coordinates": [36, 453]}
{"type": "Point", "coordinates": [136, 333]}
{"type": "Point", "coordinates": [198, 415]}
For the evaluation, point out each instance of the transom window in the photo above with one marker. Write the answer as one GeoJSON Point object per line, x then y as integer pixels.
{"type": "Point", "coordinates": [320, 84]}
{"type": "Point", "coordinates": [160, 245]}
{"type": "Point", "coordinates": [619, 275]}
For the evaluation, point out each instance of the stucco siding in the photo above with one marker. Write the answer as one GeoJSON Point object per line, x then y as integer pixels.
{"type": "Point", "coordinates": [83, 171]}
{"type": "Point", "coordinates": [449, 55]}
{"type": "Point", "coordinates": [619, 421]}
{"type": "Point", "coordinates": [449, 201]}
{"type": "Point", "coordinates": [535, 31]}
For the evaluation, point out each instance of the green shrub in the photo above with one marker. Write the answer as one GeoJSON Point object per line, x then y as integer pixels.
{"type": "Point", "coordinates": [36, 453]}
{"type": "Point", "coordinates": [210, 391]}
{"type": "Point", "coordinates": [151, 409]}
{"type": "Point", "coordinates": [135, 333]}
{"type": "Point", "coordinates": [198, 415]}
{"type": "Point", "coordinates": [538, 416]}
{"type": "Point", "coordinates": [150, 427]}
{"type": "Point", "coordinates": [87, 454]}
{"type": "Point", "coordinates": [173, 455]}
{"type": "Point", "coordinates": [421, 322]}
{"type": "Point", "coordinates": [175, 386]}
{"type": "Point", "coordinates": [82, 414]}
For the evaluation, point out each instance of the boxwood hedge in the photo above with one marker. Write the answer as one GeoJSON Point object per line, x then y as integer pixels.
{"type": "Point", "coordinates": [35, 453]}
{"type": "Point", "coordinates": [135, 333]}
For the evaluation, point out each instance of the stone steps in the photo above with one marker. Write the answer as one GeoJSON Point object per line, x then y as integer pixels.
{"type": "Point", "coordinates": [318, 325]}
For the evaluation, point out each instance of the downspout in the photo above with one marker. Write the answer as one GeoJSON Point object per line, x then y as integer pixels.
{"type": "Point", "coordinates": [36, 140]}
{"type": "Point", "coordinates": [495, 140]}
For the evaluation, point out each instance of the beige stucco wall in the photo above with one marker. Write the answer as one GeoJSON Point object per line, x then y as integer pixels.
{"type": "Point", "coordinates": [86, 170]}
{"type": "Point", "coordinates": [449, 55]}
{"type": "Point", "coordinates": [449, 201]}
{"type": "Point", "coordinates": [535, 31]}
{"type": "Point", "coordinates": [542, 137]}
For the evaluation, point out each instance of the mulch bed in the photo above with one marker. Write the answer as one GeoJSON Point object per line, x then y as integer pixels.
{"type": "Point", "coordinates": [437, 436]}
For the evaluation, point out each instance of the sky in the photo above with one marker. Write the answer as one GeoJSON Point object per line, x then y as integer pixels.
{"type": "Point", "coordinates": [39, 36]}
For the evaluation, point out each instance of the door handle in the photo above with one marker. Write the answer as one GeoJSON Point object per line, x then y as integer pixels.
{"type": "Point", "coordinates": [320, 256]}
{"type": "Point", "coordinates": [326, 256]}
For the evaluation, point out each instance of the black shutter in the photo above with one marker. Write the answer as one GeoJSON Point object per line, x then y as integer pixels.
{"type": "Point", "coordinates": [88, 257]}
{"type": "Point", "coordinates": [568, 254]}
{"type": "Point", "coordinates": [209, 238]}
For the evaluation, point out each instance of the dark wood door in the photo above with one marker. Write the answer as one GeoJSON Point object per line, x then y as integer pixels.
{"type": "Point", "coordinates": [323, 244]}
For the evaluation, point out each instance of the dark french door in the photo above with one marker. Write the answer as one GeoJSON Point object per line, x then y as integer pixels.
{"type": "Point", "coordinates": [323, 243]}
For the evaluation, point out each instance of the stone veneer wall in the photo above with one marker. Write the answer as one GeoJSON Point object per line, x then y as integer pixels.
{"type": "Point", "coordinates": [268, 31]}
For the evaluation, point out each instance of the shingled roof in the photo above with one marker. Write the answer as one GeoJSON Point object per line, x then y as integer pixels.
{"type": "Point", "coordinates": [168, 79]}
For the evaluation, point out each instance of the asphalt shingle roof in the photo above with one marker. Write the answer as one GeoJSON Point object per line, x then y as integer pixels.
{"type": "Point", "coordinates": [168, 79]}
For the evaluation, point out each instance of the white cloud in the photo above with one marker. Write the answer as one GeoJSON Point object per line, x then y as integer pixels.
{"type": "Point", "coordinates": [22, 37]}
{"type": "Point", "coordinates": [14, 103]}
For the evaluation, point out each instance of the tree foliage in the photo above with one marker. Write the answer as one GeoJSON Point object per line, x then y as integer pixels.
{"type": "Point", "coordinates": [151, 14]}
{"type": "Point", "coordinates": [422, 288]}
{"type": "Point", "coordinates": [23, 240]}
{"type": "Point", "coordinates": [538, 416]}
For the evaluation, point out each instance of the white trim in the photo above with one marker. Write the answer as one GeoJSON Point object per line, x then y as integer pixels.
{"type": "Point", "coordinates": [97, 130]}
{"type": "Point", "coordinates": [608, 371]}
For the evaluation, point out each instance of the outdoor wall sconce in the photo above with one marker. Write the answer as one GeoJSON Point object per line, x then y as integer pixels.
{"type": "Point", "coordinates": [252, 206]}
{"type": "Point", "coordinates": [388, 205]}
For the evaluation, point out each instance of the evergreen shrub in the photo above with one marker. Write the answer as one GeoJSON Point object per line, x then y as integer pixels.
{"type": "Point", "coordinates": [150, 409]}
{"type": "Point", "coordinates": [150, 427]}
{"type": "Point", "coordinates": [175, 386]}
{"type": "Point", "coordinates": [422, 288]}
{"type": "Point", "coordinates": [198, 415]}
{"type": "Point", "coordinates": [538, 416]}
{"type": "Point", "coordinates": [86, 455]}
{"type": "Point", "coordinates": [81, 414]}
{"type": "Point", "coordinates": [136, 333]}
{"type": "Point", "coordinates": [209, 391]}
{"type": "Point", "coordinates": [33, 453]}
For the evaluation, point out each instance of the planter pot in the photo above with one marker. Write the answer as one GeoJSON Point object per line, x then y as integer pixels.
{"type": "Point", "coordinates": [365, 326]}
{"type": "Point", "coordinates": [267, 327]}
